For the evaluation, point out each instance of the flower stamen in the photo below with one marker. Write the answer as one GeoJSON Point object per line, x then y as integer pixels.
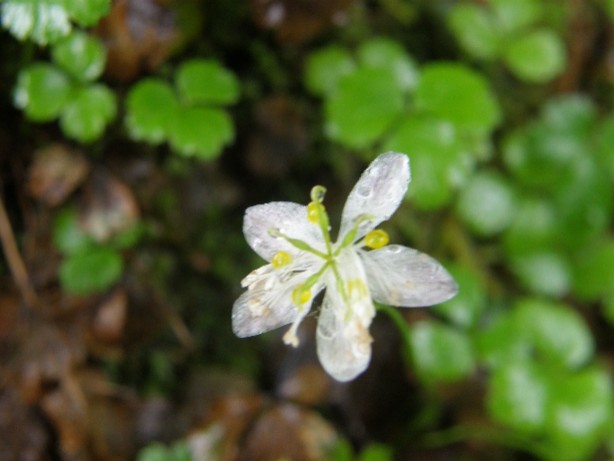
{"type": "Point", "coordinates": [376, 239]}
{"type": "Point", "coordinates": [281, 259]}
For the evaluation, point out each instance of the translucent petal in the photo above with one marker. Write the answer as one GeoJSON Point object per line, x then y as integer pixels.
{"type": "Point", "coordinates": [286, 217]}
{"type": "Point", "coordinates": [378, 192]}
{"type": "Point", "coordinates": [343, 340]}
{"type": "Point", "coordinates": [267, 303]}
{"type": "Point", "coordinates": [401, 276]}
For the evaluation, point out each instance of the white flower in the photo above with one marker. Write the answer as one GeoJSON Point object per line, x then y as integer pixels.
{"type": "Point", "coordinates": [358, 267]}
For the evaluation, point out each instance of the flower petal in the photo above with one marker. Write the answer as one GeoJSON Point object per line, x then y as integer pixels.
{"type": "Point", "coordinates": [343, 345]}
{"type": "Point", "coordinates": [378, 193]}
{"type": "Point", "coordinates": [286, 217]}
{"type": "Point", "coordinates": [402, 276]}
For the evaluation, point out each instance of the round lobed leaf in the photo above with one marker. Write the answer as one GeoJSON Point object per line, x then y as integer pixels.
{"type": "Point", "coordinates": [543, 272]}
{"type": "Point", "coordinates": [42, 91]}
{"type": "Point", "coordinates": [151, 109]}
{"type": "Point", "coordinates": [487, 203]}
{"type": "Point", "coordinates": [459, 95]}
{"type": "Point", "coordinates": [91, 270]}
{"type": "Point", "coordinates": [87, 12]}
{"type": "Point", "coordinates": [476, 30]}
{"type": "Point", "coordinates": [513, 15]}
{"type": "Point", "coordinates": [534, 227]}
{"type": "Point", "coordinates": [68, 237]}
{"type": "Point", "coordinates": [594, 271]}
{"type": "Point", "coordinates": [87, 114]}
{"type": "Point", "coordinates": [501, 342]}
{"type": "Point", "coordinates": [537, 56]}
{"type": "Point", "coordinates": [81, 55]}
{"type": "Point", "coordinates": [385, 53]}
{"type": "Point", "coordinates": [201, 132]}
{"type": "Point", "coordinates": [206, 81]}
{"type": "Point", "coordinates": [441, 353]}
{"type": "Point", "coordinates": [43, 22]}
{"type": "Point", "coordinates": [326, 67]}
{"type": "Point", "coordinates": [363, 107]}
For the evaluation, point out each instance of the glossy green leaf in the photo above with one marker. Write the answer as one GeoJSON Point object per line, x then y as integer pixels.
{"type": "Point", "coordinates": [384, 53]}
{"type": "Point", "coordinates": [364, 107]}
{"type": "Point", "coordinates": [67, 234]}
{"type": "Point", "coordinates": [573, 113]}
{"type": "Point", "coordinates": [487, 203]}
{"type": "Point", "coordinates": [436, 153]}
{"type": "Point", "coordinates": [201, 132]}
{"type": "Point", "coordinates": [459, 95]}
{"type": "Point", "coordinates": [558, 333]}
{"type": "Point", "coordinates": [41, 92]}
{"type": "Point", "coordinates": [605, 145]}
{"type": "Point", "coordinates": [466, 308]}
{"type": "Point", "coordinates": [441, 353]}
{"type": "Point", "coordinates": [580, 414]}
{"type": "Point", "coordinates": [513, 15]}
{"type": "Point", "coordinates": [87, 114]}
{"type": "Point", "coordinates": [326, 67]}
{"type": "Point", "coordinates": [151, 109]}
{"type": "Point", "coordinates": [518, 396]}
{"type": "Point", "coordinates": [537, 56]}
{"type": "Point", "coordinates": [206, 81]}
{"type": "Point", "coordinates": [91, 270]}
{"type": "Point", "coordinates": [476, 30]}
{"type": "Point", "coordinates": [87, 12]}
{"type": "Point", "coordinates": [42, 21]}
{"type": "Point", "coordinates": [500, 342]}
{"type": "Point", "coordinates": [594, 271]}
{"type": "Point", "coordinates": [543, 272]}
{"type": "Point", "coordinates": [533, 228]}
{"type": "Point", "coordinates": [81, 55]}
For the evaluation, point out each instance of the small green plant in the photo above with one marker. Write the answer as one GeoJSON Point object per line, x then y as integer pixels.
{"type": "Point", "coordinates": [179, 451]}
{"type": "Point", "coordinates": [65, 89]}
{"type": "Point", "coordinates": [188, 115]}
{"type": "Point", "coordinates": [513, 32]}
{"type": "Point", "coordinates": [48, 21]}
{"type": "Point", "coordinates": [89, 266]}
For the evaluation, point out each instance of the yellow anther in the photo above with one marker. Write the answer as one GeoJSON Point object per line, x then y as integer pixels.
{"type": "Point", "coordinates": [281, 258]}
{"type": "Point", "coordinates": [301, 295]}
{"type": "Point", "coordinates": [313, 212]}
{"type": "Point", "coordinates": [376, 239]}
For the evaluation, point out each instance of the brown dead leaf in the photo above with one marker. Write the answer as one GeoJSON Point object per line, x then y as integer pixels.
{"type": "Point", "coordinates": [110, 317]}
{"type": "Point", "coordinates": [55, 173]}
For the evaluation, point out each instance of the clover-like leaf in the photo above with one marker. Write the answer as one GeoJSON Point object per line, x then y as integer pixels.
{"type": "Point", "coordinates": [201, 132]}
{"type": "Point", "coordinates": [87, 114]}
{"type": "Point", "coordinates": [459, 95]}
{"type": "Point", "coordinates": [543, 272]}
{"type": "Point", "coordinates": [441, 353]}
{"type": "Point", "coordinates": [81, 55]}
{"type": "Point", "coordinates": [42, 91]}
{"type": "Point", "coordinates": [513, 15]}
{"type": "Point", "coordinates": [537, 56]}
{"type": "Point", "coordinates": [151, 110]}
{"type": "Point", "coordinates": [87, 12]}
{"type": "Point", "coordinates": [476, 30]}
{"type": "Point", "coordinates": [42, 21]}
{"type": "Point", "coordinates": [385, 53]}
{"type": "Point", "coordinates": [68, 237]}
{"type": "Point", "coordinates": [594, 271]}
{"type": "Point", "coordinates": [90, 270]}
{"type": "Point", "coordinates": [326, 67]}
{"type": "Point", "coordinates": [364, 106]}
{"type": "Point", "coordinates": [534, 227]}
{"type": "Point", "coordinates": [206, 81]}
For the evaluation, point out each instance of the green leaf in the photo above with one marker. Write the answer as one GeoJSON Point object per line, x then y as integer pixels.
{"type": "Point", "coordinates": [86, 116]}
{"type": "Point", "coordinates": [476, 30]}
{"type": "Point", "coordinates": [42, 91]}
{"type": "Point", "coordinates": [81, 55]}
{"type": "Point", "coordinates": [500, 342]}
{"type": "Point", "coordinates": [88, 12]}
{"type": "Point", "coordinates": [206, 81]}
{"type": "Point", "coordinates": [363, 107]}
{"type": "Point", "coordinates": [441, 353]}
{"type": "Point", "coordinates": [90, 270]}
{"type": "Point", "coordinates": [467, 306]}
{"type": "Point", "coordinates": [572, 113]}
{"type": "Point", "coordinates": [605, 141]}
{"type": "Point", "coordinates": [201, 132]}
{"type": "Point", "coordinates": [326, 67]}
{"type": "Point", "coordinates": [580, 413]}
{"type": "Point", "coordinates": [534, 227]}
{"type": "Point", "coordinates": [518, 396]}
{"type": "Point", "coordinates": [376, 452]}
{"type": "Point", "coordinates": [543, 272]}
{"type": "Point", "coordinates": [67, 235]}
{"type": "Point", "coordinates": [42, 21]}
{"type": "Point", "coordinates": [151, 110]}
{"type": "Point", "coordinates": [459, 95]}
{"type": "Point", "coordinates": [594, 271]}
{"type": "Point", "coordinates": [487, 203]}
{"type": "Point", "coordinates": [537, 56]}
{"type": "Point", "coordinates": [435, 153]}
{"type": "Point", "coordinates": [513, 15]}
{"type": "Point", "coordinates": [154, 452]}
{"type": "Point", "coordinates": [383, 53]}
{"type": "Point", "coordinates": [558, 333]}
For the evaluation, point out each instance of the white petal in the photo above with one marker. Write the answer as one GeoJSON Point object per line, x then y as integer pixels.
{"type": "Point", "coordinates": [343, 344]}
{"type": "Point", "coordinates": [286, 217]}
{"type": "Point", "coordinates": [378, 192]}
{"type": "Point", "coordinates": [401, 276]}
